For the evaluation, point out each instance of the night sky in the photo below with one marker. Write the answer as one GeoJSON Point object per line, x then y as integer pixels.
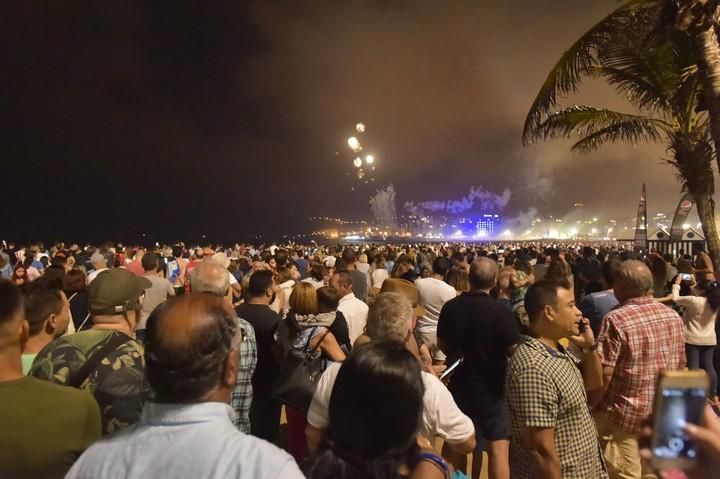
{"type": "Point", "coordinates": [178, 119]}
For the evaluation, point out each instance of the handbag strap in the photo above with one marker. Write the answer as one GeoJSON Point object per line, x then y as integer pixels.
{"type": "Point", "coordinates": [310, 336]}
{"type": "Point", "coordinates": [93, 361]}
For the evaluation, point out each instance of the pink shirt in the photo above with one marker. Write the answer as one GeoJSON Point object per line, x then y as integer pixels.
{"type": "Point", "coordinates": [135, 267]}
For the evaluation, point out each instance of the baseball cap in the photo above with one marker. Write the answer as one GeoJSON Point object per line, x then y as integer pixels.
{"type": "Point", "coordinates": [116, 291]}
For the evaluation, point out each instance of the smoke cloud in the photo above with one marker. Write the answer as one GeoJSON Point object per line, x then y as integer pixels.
{"type": "Point", "coordinates": [383, 208]}
{"type": "Point", "coordinates": [477, 197]}
{"type": "Point", "coordinates": [521, 223]}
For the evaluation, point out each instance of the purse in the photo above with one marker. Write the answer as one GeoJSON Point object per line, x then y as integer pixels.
{"type": "Point", "coordinates": [296, 381]}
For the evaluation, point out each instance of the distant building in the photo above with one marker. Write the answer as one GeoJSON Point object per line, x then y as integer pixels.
{"type": "Point", "coordinates": [487, 226]}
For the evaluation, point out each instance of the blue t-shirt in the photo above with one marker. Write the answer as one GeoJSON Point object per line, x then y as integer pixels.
{"type": "Point", "coordinates": [595, 306]}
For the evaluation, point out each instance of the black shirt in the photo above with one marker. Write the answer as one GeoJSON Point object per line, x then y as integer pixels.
{"type": "Point", "coordinates": [478, 328]}
{"type": "Point", "coordinates": [339, 329]}
{"type": "Point", "coordinates": [265, 322]}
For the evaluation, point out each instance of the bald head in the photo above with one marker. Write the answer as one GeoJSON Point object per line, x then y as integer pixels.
{"type": "Point", "coordinates": [210, 277]}
{"type": "Point", "coordinates": [189, 340]}
{"type": "Point", "coordinates": [483, 274]}
{"type": "Point", "coordinates": [632, 279]}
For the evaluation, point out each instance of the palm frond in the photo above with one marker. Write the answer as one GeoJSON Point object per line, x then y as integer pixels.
{"type": "Point", "coordinates": [647, 76]}
{"type": "Point", "coordinates": [579, 59]}
{"type": "Point", "coordinates": [597, 126]}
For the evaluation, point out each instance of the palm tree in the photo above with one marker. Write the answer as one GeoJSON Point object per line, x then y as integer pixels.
{"type": "Point", "coordinates": [655, 69]}
{"type": "Point", "coordinates": [700, 19]}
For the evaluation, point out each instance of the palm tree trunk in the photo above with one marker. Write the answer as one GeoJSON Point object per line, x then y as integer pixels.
{"type": "Point", "coordinates": [707, 50]}
{"type": "Point", "coordinates": [706, 211]}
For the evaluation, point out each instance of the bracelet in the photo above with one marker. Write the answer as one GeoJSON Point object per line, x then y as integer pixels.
{"type": "Point", "coordinates": [438, 461]}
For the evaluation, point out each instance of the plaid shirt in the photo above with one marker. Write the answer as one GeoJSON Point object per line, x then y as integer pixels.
{"type": "Point", "coordinates": [638, 339]}
{"type": "Point", "coordinates": [544, 389]}
{"type": "Point", "coordinates": [243, 394]}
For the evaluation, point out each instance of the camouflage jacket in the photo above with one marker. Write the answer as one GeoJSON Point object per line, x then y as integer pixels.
{"type": "Point", "coordinates": [117, 383]}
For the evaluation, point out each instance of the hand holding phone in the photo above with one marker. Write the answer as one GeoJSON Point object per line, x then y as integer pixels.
{"type": "Point", "coordinates": [585, 337]}
{"type": "Point", "coordinates": [451, 368]}
{"type": "Point", "coordinates": [679, 402]}
{"type": "Point", "coordinates": [707, 438]}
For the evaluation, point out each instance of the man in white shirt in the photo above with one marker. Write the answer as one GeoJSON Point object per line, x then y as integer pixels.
{"type": "Point", "coordinates": [433, 293]}
{"type": "Point", "coordinates": [354, 310]}
{"type": "Point", "coordinates": [100, 263]}
{"type": "Point", "coordinates": [391, 318]}
{"type": "Point", "coordinates": [192, 353]}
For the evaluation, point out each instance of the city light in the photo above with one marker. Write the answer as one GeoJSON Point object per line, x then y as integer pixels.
{"type": "Point", "coordinates": [368, 159]}
{"type": "Point", "coordinates": [357, 162]}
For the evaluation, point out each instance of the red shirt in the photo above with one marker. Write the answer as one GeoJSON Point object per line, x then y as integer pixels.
{"type": "Point", "coordinates": [191, 266]}
{"type": "Point", "coordinates": [639, 339]}
{"type": "Point", "coordinates": [135, 267]}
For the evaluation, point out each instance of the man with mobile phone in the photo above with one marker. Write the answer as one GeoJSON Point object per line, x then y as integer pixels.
{"type": "Point", "coordinates": [553, 434]}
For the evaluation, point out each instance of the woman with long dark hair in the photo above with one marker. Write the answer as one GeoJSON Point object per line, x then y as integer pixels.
{"type": "Point", "coordinates": [19, 276]}
{"type": "Point", "coordinates": [74, 286]}
{"type": "Point", "coordinates": [375, 414]}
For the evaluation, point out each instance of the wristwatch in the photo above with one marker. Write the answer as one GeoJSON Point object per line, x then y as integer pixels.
{"type": "Point", "coordinates": [590, 349]}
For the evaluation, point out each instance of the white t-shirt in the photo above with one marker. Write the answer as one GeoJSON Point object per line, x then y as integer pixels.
{"type": "Point", "coordinates": [287, 288]}
{"type": "Point", "coordinates": [432, 294]}
{"type": "Point", "coordinates": [93, 274]}
{"type": "Point", "coordinates": [441, 416]}
{"type": "Point", "coordinates": [379, 276]}
{"type": "Point", "coordinates": [355, 312]}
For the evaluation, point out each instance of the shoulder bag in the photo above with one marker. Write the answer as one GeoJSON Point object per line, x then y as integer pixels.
{"type": "Point", "coordinates": [296, 381]}
{"type": "Point", "coordinates": [77, 378]}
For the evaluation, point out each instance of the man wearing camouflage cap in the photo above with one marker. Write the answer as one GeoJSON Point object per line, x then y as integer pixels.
{"type": "Point", "coordinates": [105, 360]}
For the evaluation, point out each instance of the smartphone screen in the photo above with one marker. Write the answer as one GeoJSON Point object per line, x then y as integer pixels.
{"type": "Point", "coordinates": [678, 407]}
{"type": "Point", "coordinates": [451, 369]}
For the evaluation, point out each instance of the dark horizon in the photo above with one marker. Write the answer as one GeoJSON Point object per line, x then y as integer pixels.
{"type": "Point", "coordinates": [229, 119]}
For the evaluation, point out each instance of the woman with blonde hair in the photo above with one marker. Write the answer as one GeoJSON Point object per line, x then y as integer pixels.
{"type": "Point", "coordinates": [306, 330]}
{"type": "Point", "coordinates": [458, 278]}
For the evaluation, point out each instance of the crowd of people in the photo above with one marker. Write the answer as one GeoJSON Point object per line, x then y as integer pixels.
{"type": "Point", "coordinates": [122, 362]}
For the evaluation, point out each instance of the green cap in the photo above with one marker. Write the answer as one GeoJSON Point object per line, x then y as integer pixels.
{"type": "Point", "coordinates": [115, 291]}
